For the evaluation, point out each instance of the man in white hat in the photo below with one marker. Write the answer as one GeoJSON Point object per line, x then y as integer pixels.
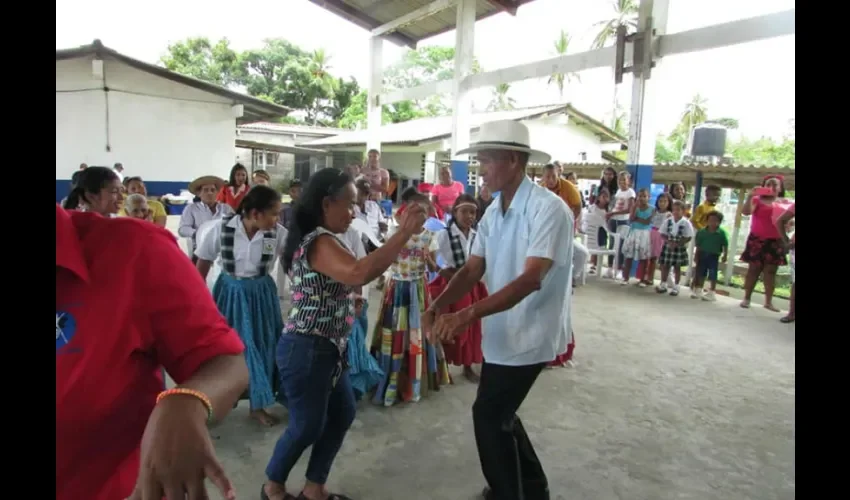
{"type": "Point", "coordinates": [523, 251]}
{"type": "Point", "coordinates": [206, 188]}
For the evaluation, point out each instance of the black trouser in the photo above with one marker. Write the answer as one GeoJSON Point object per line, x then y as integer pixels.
{"type": "Point", "coordinates": [508, 460]}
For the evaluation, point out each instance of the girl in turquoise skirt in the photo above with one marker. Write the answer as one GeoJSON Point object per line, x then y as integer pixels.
{"type": "Point", "coordinates": [245, 247]}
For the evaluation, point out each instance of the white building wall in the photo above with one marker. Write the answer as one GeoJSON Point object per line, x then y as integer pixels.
{"type": "Point", "coordinates": [165, 132]}
{"type": "Point", "coordinates": [404, 164]}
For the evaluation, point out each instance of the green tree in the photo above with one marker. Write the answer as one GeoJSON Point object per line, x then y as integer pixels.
{"type": "Point", "coordinates": [416, 67]}
{"type": "Point", "coordinates": [763, 151]}
{"type": "Point", "coordinates": [500, 100]}
{"type": "Point", "coordinates": [279, 72]}
{"type": "Point", "coordinates": [199, 58]}
{"type": "Point", "coordinates": [562, 46]}
{"type": "Point", "coordinates": [624, 13]}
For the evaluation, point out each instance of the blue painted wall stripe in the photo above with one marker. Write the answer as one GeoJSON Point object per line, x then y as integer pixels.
{"type": "Point", "coordinates": [155, 188]}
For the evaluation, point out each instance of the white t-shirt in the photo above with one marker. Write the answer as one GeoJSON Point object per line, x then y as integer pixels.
{"type": "Point", "coordinates": [621, 202]}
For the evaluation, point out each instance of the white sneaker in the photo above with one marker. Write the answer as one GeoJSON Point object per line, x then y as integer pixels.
{"type": "Point", "coordinates": [709, 296]}
{"type": "Point", "coordinates": [696, 294]}
{"type": "Point", "coordinates": [661, 289]}
{"type": "Point", "coordinates": [624, 282]}
{"type": "Point", "coordinates": [675, 291]}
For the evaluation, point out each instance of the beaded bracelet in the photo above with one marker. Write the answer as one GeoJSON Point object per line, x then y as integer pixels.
{"type": "Point", "coordinates": [189, 392]}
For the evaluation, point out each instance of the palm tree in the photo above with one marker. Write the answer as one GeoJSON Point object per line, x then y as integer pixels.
{"type": "Point", "coordinates": [695, 112]}
{"type": "Point", "coordinates": [562, 45]}
{"type": "Point", "coordinates": [500, 99]}
{"type": "Point", "coordinates": [321, 79]}
{"type": "Point", "coordinates": [625, 13]}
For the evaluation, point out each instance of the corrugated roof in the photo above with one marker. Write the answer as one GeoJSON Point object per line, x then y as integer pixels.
{"type": "Point", "coordinates": [286, 128]}
{"type": "Point", "coordinates": [278, 148]}
{"type": "Point", "coordinates": [255, 109]}
{"type": "Point", "coordinates": [370, 14]}
{"type": "Point", "coordinates": [423, 130]}
{"type": "Point", "coordinates": [724, 175]}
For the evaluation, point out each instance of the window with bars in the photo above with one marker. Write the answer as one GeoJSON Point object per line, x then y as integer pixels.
{"type": "Point", "coordinates": [263, 160]}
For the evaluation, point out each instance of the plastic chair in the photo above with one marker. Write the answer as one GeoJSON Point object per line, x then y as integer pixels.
{"type": "Point", "coordinates": [593, 248]}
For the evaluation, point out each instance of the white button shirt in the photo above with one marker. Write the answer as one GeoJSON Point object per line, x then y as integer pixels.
{"type": "Point", "coordinates": [247, 253]}
{"type": "Point", "coordinates": [536, 224]}
{"type": "Point", "coordinates": [373, 216]}
{"type": "Point", "coordinates": [444, 245]}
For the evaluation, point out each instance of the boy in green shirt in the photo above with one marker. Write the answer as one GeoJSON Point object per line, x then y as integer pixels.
{"type": "Point", "coordinates": [711, 247]}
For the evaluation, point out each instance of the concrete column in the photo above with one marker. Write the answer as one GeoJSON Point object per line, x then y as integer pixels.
{"type": "Point", "coordinates": [461, 97]}
{"type": "Point", "coordinates": [642, 124]}
{"type": "Point", "coordinates": [373, 107]}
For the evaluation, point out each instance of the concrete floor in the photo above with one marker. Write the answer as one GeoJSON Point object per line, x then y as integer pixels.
{"type": "Point", "coordinates": [670, 398]}
{"type": "Point", "coordinates": [663, 403]}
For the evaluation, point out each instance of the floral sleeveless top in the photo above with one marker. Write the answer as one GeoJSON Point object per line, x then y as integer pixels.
{"type": "Point", "coordinates": [320, 305]}
{"type": "Point", "coordinates": [410, 265]}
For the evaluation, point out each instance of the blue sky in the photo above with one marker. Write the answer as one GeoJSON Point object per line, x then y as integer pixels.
{"type": "Point", "coordinates": [754, 83]}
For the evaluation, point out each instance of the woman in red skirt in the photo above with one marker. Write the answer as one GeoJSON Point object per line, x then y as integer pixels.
{"type": "Point", "coordinates": [454, 243]}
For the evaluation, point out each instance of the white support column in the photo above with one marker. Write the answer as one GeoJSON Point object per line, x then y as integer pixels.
{"type": "Point", "coordinates": [641, 155]}
{"type": "Point", "coordinates": [373, 106]}
{"type": "Point", "coordinates": [461, 96]}
{"type": "Point", "coordinates": [642, 122]}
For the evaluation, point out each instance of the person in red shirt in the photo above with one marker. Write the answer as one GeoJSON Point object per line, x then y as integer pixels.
{"type": "Point", "coordinates": [128, 304]}
{"type": "Point", "coordinates": [236, 188]}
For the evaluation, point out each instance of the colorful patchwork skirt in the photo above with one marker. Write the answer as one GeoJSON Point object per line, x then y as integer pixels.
{"type": "Point", "coordinates": [412, 365]}
{"type": "Point", "coordinates": [363, 370]}
{"type": "Point", "coordinates": [252, 308]}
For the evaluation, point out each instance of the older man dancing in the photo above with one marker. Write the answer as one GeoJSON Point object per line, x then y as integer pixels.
{"type": "Point", "coordinates": [524, 253]}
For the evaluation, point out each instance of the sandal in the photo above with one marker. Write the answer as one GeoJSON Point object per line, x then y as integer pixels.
{"type": "Point", "coordinates": [331, 496]}
{"type": "Point", "coordinates": [771, 307]}
{"type": "Point", "coordinates": [264, 496]}
{"type": "Point", "coordinates": [787, 319]}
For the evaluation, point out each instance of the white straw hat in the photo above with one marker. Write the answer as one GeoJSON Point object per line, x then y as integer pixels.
{"type": "Point", "coordinates": [506, 135]}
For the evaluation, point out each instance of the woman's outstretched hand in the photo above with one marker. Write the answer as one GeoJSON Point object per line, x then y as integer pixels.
{"type": "Point", "coordinates": [177, 454]}
{"type": "Point", "coordinates": [413, 218]}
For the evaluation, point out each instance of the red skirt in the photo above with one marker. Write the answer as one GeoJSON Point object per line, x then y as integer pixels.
{"type": "Point", "coordinates": [467, 347]}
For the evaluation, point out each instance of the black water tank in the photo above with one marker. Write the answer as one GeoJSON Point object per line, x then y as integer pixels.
{"type": "Point", "coordinates": [708, 139]}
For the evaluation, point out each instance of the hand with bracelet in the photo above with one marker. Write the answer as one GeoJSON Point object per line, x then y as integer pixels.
{"type": "Point", "coordinates": [177, 452]}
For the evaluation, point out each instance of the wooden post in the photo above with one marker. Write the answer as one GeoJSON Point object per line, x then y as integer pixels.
{"type": "Point", "coordinates": [733, 244]}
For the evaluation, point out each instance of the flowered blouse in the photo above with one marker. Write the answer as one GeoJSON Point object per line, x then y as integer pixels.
{"type": "Point", "coordinates": [320, 305]}
{"type": "Point", "coordinates": [411, 264]}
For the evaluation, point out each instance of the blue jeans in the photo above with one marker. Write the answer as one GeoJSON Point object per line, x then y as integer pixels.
{"type": "Point", "coordinates": [320, 412]}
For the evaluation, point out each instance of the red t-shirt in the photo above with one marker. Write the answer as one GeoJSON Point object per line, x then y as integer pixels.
{"type": "Point", "coordinates": [226, 195]}
{"type": "Point", "coordinates": [128, 302]}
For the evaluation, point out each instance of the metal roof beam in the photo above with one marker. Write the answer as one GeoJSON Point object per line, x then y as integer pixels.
{"type": "Point", "coordinates": [710, 37]}
{"type": "Point", "coordinates": [410, 18]}
{"type": "Point", "coordinates": [342, 9]}
{"type": "Point", "coordinates": [508, 6]}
